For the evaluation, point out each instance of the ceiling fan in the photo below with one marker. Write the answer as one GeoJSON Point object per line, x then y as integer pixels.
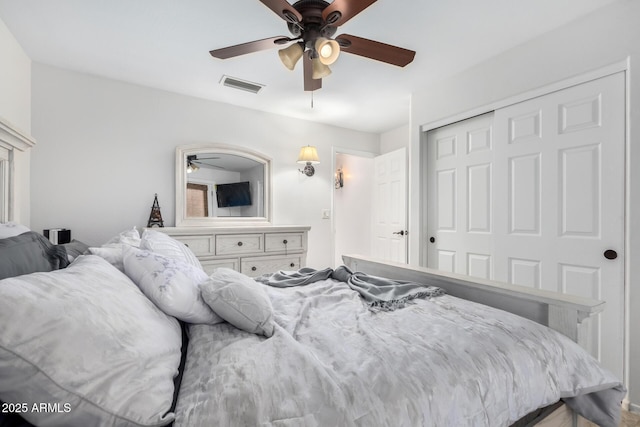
{"type": "Point", "coordinates": [193, 161]}
{"type": "Point", "coordinates": [313, 24]}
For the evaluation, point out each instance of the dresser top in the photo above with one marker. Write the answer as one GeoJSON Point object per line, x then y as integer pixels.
{"type": "Point", "coordinates": [191, 231]}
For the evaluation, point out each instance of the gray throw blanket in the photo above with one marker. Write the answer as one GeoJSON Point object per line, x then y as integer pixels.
{"type": "Point", "coordinates": [380, 294]}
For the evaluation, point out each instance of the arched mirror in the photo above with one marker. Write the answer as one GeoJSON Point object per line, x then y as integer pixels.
{"type": "Point", "coordinates": [220, 185]}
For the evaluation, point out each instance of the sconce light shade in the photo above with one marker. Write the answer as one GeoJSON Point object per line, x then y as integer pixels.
{"type": "Point", "coordinates": [319, 69]}
{"type": "Point", "coordinates": [308, 154]}
{"type": "Point", "coordinates": [328, 50]}
{"type": "Point", "coordinates": [290, 55]}
{"type": "Point", "coordinates": [309, 157]}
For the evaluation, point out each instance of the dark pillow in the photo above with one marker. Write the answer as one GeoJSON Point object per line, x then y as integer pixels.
{"type": "Point", "coordinates": [30, 252]}
{"type": "Point", "coordinates": [74, 249]}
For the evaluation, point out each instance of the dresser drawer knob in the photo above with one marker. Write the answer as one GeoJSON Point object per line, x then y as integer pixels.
{"type": "Point", "coordinates": [239, 243]}
{"type": "Point", "coordinates": [292, 264]}
{"type": "Point", "coordinates": [285, 241]}
{"type": "Point", "coordinates": [253, 268]}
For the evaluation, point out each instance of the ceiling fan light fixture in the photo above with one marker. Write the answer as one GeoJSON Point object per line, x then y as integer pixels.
{"type": "Point", "coordinates": [328, 50]}
{"type": "Point", "coordinates": [192, 167]}
{"type": "Point", "coordinates": [319, 70]}
{"type": "Point", "coordinates": [290, 55]}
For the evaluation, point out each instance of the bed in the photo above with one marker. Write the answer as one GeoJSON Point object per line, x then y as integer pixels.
{"type": "Point", "coordinates": [134, 333]}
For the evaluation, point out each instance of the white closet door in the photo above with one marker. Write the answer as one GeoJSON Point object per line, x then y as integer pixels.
{"type": "Point", "coordinates": [562, 201]}
{"type": "Point", "coordinates": [541, 202]}
{"type": "Point", "coordinates": [460, 169]}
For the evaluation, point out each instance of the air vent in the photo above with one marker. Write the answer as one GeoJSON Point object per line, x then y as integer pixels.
{"type": "Point", "coordinates": [241, 84]}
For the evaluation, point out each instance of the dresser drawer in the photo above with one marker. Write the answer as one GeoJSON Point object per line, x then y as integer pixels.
{"type": "Point", "coordinates": [210, 265]}
{"type": "Point", "coordinates": [239, 244]}
{"type": "Point", "coordinates": [258, 266]}
{"type": "Point", "coordinates": [281, 242]}
{"type": "Point", "coordinates": [199, 245]}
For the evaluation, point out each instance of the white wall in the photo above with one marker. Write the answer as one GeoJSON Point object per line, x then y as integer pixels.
{"type": "Point", "coordinates": [105, 147]}
{"type": "Point", "coordinates": [352, 206]}
{"type": "Point", "coordinates": [395, 139]}
{"type": "Point", "coordinates": [607, 36]}
{"type": "Point", "coordinates": [15, 107]}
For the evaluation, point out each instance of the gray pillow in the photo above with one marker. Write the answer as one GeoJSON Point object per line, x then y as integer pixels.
{"type": "Point", "coordinates": [30, 252]}
{"type": "Point", "coordinates": [239, 300]}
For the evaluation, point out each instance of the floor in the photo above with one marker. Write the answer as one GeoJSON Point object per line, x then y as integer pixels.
{"type": "Point", "coordinates": [628, 420]}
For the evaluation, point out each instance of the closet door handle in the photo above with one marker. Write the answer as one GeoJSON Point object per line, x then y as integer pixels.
{"type": "Point", "coordinates": [610, 254]}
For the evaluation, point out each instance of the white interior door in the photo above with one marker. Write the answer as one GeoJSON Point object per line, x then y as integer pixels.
{"type": "Point", "coordinates": [390, 207]}
{"type": "Point", "coordinates": [554, 178]}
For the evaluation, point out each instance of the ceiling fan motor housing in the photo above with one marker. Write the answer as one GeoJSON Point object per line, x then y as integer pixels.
{"type": "Point", "coordinates": [312, 25]}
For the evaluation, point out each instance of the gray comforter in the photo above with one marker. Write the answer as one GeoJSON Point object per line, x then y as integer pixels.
{"type": "Point", "coordinates": [437, 362]}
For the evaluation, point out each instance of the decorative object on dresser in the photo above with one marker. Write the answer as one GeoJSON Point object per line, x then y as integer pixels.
{"type": "Point", "coordinates": [155, 218]}
{"type": "Point", "coordinates": [308, 156]}
{"type": "Point", "coordinates": [249, 250]}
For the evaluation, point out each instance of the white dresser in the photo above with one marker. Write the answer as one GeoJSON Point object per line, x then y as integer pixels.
{"type": "Point", "coordinates": [250, 250]}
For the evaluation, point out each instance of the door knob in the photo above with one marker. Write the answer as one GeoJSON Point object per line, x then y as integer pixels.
{"type": "Point", "coordinates": [401, 232]}
{"type": "Point", "coordinates": [610, 254]}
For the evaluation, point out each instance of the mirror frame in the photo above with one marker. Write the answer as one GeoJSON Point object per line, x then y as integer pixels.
{"type": "Point", "coordinates": [181, 184]}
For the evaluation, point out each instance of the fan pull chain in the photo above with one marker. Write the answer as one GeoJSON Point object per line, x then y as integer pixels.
{"type": "Point", "coordinates": [311, 99]}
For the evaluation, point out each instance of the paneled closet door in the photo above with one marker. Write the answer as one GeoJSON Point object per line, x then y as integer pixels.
{"type": "Point", "coordinates": [460, 218]}
{"type": "Point", "coordinates": [533, 194]}
{"type": "Point", "coordinates": [560, 202]}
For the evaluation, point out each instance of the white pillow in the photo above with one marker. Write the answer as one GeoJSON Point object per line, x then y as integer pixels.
{"type": "Point", "coordinates": [163, 244]}
{"type": "Point", "coordinates": [10, 229]}
{"type": "Point", "coordinates": [86, 337]}
{"type": "Point", "coordinates": [239, 300]}
{"type": "Point", "coordinates": [129, 237]}
{"type": "Point", "coordinates": [171, 284]}
{"type": "Point", "coordinates": [112, 250]}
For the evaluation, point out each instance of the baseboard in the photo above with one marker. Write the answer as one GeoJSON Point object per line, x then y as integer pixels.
{"type": "Point", "coordinates": [634, 408]}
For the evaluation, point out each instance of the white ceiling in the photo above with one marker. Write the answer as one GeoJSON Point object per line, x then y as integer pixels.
{"type": "Point", "coordinates": [165, 43]}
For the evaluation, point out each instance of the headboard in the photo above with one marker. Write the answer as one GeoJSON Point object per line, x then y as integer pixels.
{"type": "Point", "coordinates": [561, 312]}
{"type": "Point", "coordinates": [11, 139]}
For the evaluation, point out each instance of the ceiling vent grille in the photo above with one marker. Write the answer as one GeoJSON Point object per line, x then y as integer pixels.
{"type": "Point", "coordinates": [241, 84]}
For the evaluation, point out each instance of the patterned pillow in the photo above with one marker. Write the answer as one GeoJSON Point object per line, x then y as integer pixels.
{"type": "Point", "coordinates": [171, 284]}
{"type": "Point", "coordinates": [86, 338]}
{"type": "Point", "coordinates": [239, 300]}
{"type": "Point", "coordinates": [163, 244]}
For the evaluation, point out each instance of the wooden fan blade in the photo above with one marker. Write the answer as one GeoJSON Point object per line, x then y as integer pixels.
{"type": "Point", "coordinates": [375, 50]}
{"type": "Point", "coordinates": [310, 84]}
{"type": "Point", "coordinates": [244, 48]}
{"type": "Point", "coordinates": [340, 11]}
{"type": "Point", "coordinates": [283, 9]}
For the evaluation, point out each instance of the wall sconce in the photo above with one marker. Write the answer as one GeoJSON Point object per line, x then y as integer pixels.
{"type": "Point", "coordinates": [308, 156]}
{"type": "Point", "coordinates": [339, 179]}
